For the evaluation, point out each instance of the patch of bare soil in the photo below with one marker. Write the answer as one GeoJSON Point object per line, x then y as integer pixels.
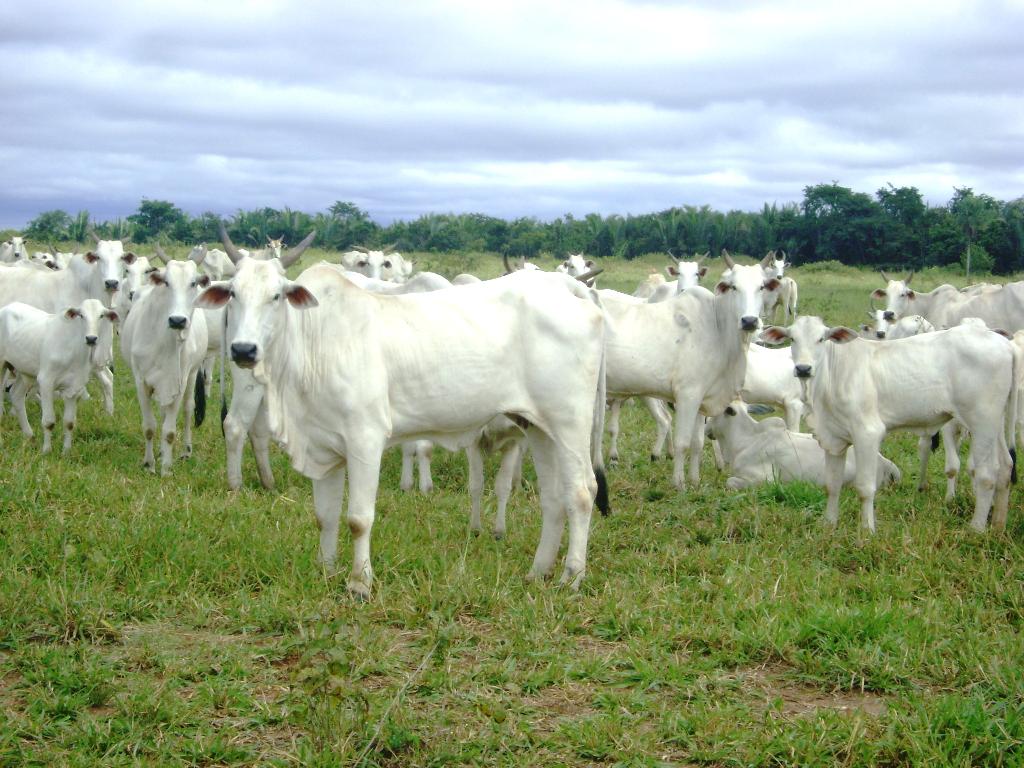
{"type": "Point", "coordinates": [771, 686]}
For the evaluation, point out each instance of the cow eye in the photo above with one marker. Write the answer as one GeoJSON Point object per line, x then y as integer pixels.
{"type": "Point", "coordinates": [277, 297]}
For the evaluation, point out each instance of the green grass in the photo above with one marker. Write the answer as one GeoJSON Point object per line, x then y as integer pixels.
{"type": "Point", "coordinates": [167, 621]}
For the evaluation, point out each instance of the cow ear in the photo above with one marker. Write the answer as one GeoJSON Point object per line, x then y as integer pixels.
{"type": "Point", "coordinates": [203, 281]}
{"type": "Point", "coordinates": [723, 286]}
{"type": "Point", "coordinates": [772, 284]}
{"type": "Point", "coordinates": [840, 334]}
{"type": "Point", "coordinates": [129, 258]}
{"type": "Point", "coordinates": [702, 271]}
{"type": "Point", "coordinates": [878, 293]}
{"type": "Point", "coordinates": [112, 316]}
{"type": "Point", "coordinates": [774, 334]}
{"type": "Point", "coordinates": [72, 312]}
{"type": "Point", "coordinates": [157, 278]}
{"type": "Point", "coordinates": [300, 297]}
{"type": "Point", "coordinates": [91, 257]}
{"type": "Point", "coordinates": [214, 297]}
{"type": "Point", "coordinates": [911, 295]}
{"type": "Point", "coordinates": [589, 264]}
{"type": "Point", "coordinates": [671, 271]}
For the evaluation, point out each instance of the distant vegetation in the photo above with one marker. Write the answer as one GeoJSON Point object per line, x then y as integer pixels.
{"type": "Point", "coordinates": [895, 228]}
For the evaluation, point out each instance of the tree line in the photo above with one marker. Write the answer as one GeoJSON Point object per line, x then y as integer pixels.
{"type": "Point", "coordinates": [895, 228]}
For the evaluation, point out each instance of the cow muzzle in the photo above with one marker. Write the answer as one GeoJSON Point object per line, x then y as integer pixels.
{"type": "Point", "coordinates": [91, 341]}
{"type": "Point", "coordinates": [243, 354]}
{"type": "Point", "coordinates": [177, 322]}
{"type": "Point", "coordinates": [748, 323]}
{"type": "Point", "coordinates": [112, 285]}
{"type": "Point", "coordinates": [802, 371]}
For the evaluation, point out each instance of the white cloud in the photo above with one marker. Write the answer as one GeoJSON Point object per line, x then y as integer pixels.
{"type": "Point", "coordinates": [511, 108]}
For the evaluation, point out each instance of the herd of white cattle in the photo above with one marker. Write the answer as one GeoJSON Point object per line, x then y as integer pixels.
{"type": "Point", "coordinates": [351, 358]}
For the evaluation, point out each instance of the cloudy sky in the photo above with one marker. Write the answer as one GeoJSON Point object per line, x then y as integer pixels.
{"type": "Point", "coordinates": [504, 107]}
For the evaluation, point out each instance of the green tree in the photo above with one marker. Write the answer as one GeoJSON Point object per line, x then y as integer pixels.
{"type": "Point", "coordinates": [158, 217]}
{"type": "Point", "coordinates": [49, 226]}
{"type": "Point", "coordinates": [972, 212]}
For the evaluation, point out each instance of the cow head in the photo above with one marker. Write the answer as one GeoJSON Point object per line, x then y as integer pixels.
{"type": "Point", "coordinates": [259, 294]}
{"type": "Point", "coordinates": [274, 246]}
{"type": "Point", "coordinates": [109, 260]}
{"type": "Point", "coordinates": [809, 335]}
{"type": "Point", "coordinates": [748, 284]}
{"type": "Point", "coordinates": [575, 264]}
{"type": "Point", "coordinates": [687, 274]}
{"type": "Point", "coordinates": [898, 296]}
{"type": "Point", "coordinates": [179, 283]}
{"type": "Point", "coordinates": [380, 265]}
{"type": "Point", "coordinates": [92, 315]}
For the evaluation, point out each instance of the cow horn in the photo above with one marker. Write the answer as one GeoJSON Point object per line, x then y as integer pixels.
{"type": "Point", "coordinates": [53, 251]}
{"type": "Point", "coordinates": [768, 259]}
{"type": "Point", "coordinates": [672, 256]}
{"type": "Point", "coordinates": [161, 255]}
{"type": "Point", "coordinates": [885, 276]}
{"type": "Point", "coordinates": [92, 233]}
{"type": "Point", "coordinates": [910, 275]}
{"type": "Point", "coordinates": [360, 249]}
{"type": "Point", "coordinates": [293, 254]}
{"type": "Point", "coordinates": [508, 267]}
{"type": "Point", "coordinates": [729, 263]}
{"type": "Point", "coordinates": [233, 253]}
{"type": "Point", "coordinates": [587, 276]}
{"type": "Point", "coordinates": [702, 257]}
{"type": "Point", "coordinates": [390, 248]}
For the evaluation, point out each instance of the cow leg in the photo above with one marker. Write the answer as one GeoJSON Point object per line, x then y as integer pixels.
{"type": "Point", "coordinates": [1002, 491]}
{"type": "Point", "coordinates": [364, 476]}
{"type": "Point", "coordinates": [696, 449]}
{"type": "Point", "coordinates": [49, 419]}
{"type": "Point", "coordinates": [148, 422]}
{"type": "Point", "coordinates": [169, 431]}
{"type": "Point", "coordinates": [408, 454]}
{"type": "Point", "coordinates": [18, 392]}
{"type": "Point", "coordinates": [247, 404]}
{"type": "Point", "coordinates": [475, 459]}
{"type": "Point", "coordinates": [835, 469]}
{"type": "Point", "coordinates": [579, 489]}
{"type": "Point", "coordinates": [924, 450]}
{"type": "Point", "coordinates": [328, 495]}
{"type": "Point", "coordinates": [716, 451]}
{"type": "Point", "coordinates": [865, 451]}
{"type": "Point", "coordinates": [613, 429]}
{"type": "Point", "coordinates": [551, 503]}
{"type": "Point", "coordinates": [424, 453]}
{"type": "Point", "coordinates": [106, 379]}
{"type": "Point", "coordinates": [686, 418]}
{"type": "Point", "coordinates": [189, 407]}
{"type": "Point", "coordinates": [70, 417]}
{"type": "Point", "coordinates": [794, 410]}
{"type": "Point", "coordinates": [259, 436]}
{"type": "Point", "coordinates": [951, 445]}
{"type": "Point", "coordinates": [663, 423]}
{"type": "Point", "coordinates": [503, 483]}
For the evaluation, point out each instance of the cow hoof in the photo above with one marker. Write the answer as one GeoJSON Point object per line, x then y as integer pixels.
{"type": "Point", "coordinates": [359, 591]}
{"type": "Point", "coordinates": [499, 535]}
{"type": "Point", "coordinates": [149, 466]}
{"type": "Point", "coordinates": [571, 579]}
{"type": "Point", "coordinates": [655, 457]}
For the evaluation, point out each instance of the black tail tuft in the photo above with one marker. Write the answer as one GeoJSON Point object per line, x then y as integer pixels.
{"type": "Point", "coordinates": [602, 492]}
{"type": "Point", "coordinates": [935, 442]}
{"type": "Point", "coordinates": [200, 399]}
{"type": "Point", "coordinates": [1013, 465]}
{"type": "Point", "coordinates": [223, 413]}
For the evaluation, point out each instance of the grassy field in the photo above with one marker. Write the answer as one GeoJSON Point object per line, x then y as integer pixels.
{"type": "Point", "coordinates": [148, 620]}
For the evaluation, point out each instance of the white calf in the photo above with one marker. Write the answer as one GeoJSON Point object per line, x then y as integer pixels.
{"type": "Point", "coordinates": [57, 353]}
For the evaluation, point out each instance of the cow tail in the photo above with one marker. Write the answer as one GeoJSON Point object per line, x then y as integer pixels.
{"type": "Point", "coordinates": [597, 427]}
{"type": "Point", "coordinates": [200, 398]}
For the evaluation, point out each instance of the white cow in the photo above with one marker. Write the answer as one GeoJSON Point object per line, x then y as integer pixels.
{"type": "Point", "coordinates": [769, 379]}
{"type": "Point", "coordinates": [786, 295]}
{"type": "Point", "coordinates": [859, 390]}
{"type": "Point", "coordinates": [759, 452]}
{"type": "Point", "coordinates": [902, 300]}
{"type": "Point", "coordinates": [577, 265]}
{"type": "Point", "coordinates": [212, 262]}
{"type": "Point", "coordinates": [649, 285]}
{"type": "Point", "coordinates": [56, 352]}
{"type": "Point", "coordinates": [690, 350]}
{"type": "Point", "coordinates": [13, 250]}
{"type": "Point", "coordinates": [386, 264]}
{"type": "Point", "coordinates": [246, 416]}
{"type": "Point", "coordinates": [164, 342]}
{"type": "Point", "coordinates": [905, 327]}
{"type": "Point", "coordinates": [344, 380]}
